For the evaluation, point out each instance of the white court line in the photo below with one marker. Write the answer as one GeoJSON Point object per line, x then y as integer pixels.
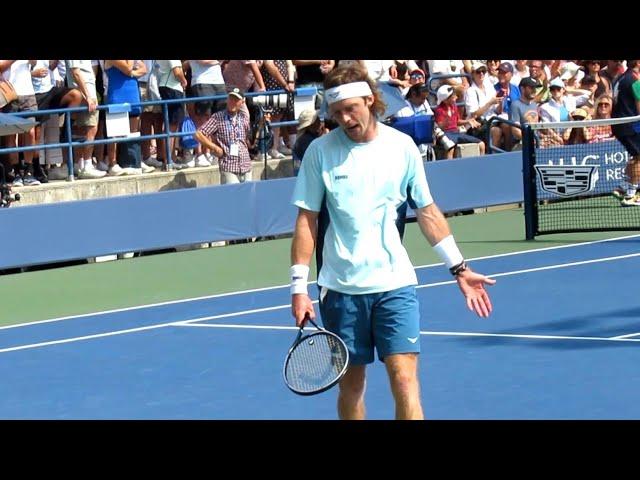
{"type": "Point", "coordinates": [427, 332]}
{"type": "Point", "coordinates": [629, 335]}
{"type": "Point", "coordinates": [262, 289]}
{"type": "Point", "coordinates": [279, 307]}
{"type": "Point", "coordinates": [139, 329]}
{"type": "Point", "coordinates": [537, 269]}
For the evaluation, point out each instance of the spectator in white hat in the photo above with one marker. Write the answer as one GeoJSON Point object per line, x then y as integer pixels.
{"type": "Point", "coordinates": [448, 119]}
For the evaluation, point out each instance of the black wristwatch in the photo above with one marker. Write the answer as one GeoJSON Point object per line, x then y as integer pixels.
{"type": "Point", "coordinates": [458, 269]}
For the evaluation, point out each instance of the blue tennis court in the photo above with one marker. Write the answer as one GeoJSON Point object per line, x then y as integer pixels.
{"type": "Point", "coordinates": [562, 343]}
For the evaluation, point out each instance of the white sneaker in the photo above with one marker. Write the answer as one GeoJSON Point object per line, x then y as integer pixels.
{"type": "Point", "coordinates": [152, 161]}
{"type": "Point", "coordinates": [116, 170]}
{"type": "Point", "coordinates": [146, 168]}
{"type": "Point", "coordinates": [201, 161]}
{"type": "Point", "coordinates": [91, 172]}
{"type": "Point", "coordinates": [274, 154]}
{"type": "Point", "coordinates": [285, 150]}
{"type": "Point", "coordinates": [132, 171]}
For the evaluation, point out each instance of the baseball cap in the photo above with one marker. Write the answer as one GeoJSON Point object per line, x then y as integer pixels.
{"type": "Point", "coordinates": [556, 82]}
{"type": "Point", "coordinates": [505, 67]}
{"type": "Point", "coordinates": [416, 71]}
{"type": "Point", "coordinates": [477, 65]}
{"type": "Point", "coordinates": [444, 92]}
{"type": "Point", "coordinates": [530, 82]}
{"type": "Point", "coordinates": [236, 92]}
{"type": "Point", "coordinates": [579, 112]}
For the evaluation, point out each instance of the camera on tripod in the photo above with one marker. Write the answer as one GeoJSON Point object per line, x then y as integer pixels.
{"type": "Point", "coordinates": [442, 139]}
{"type": "Point", "coordinates": [6, 197]}
{"type": "Point", "coordinates": [268, 102]}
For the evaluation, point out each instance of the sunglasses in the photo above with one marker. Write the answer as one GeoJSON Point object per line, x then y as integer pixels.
{"type": "Point", "coordinates": [481, 72]}
{"type": "Point", "coordinates": [604, 105]}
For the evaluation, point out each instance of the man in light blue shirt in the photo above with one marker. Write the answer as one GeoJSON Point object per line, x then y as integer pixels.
{"type": "Point", "coordinates": [361, 176]}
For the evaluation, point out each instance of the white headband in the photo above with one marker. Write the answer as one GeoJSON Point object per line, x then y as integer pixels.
{"type": "Point", "coordinates": [347, 90]}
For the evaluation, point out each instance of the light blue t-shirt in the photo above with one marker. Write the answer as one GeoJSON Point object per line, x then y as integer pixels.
{"type": "Point", "coordinates": [364, 184]}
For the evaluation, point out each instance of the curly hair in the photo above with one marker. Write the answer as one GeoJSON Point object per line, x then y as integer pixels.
{"type": "Point", "coordinates": [355, 73]}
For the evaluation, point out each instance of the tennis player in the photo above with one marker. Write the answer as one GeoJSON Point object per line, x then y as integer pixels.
{"type": "Point", "coordinates": [627, 104]}
{"type": "Point", "coordinates": [352, 189]}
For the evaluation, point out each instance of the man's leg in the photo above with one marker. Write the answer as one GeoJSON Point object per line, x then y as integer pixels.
{"type": "Point", "coordinates": [351, 395]}
{"type": "Point", "coordinates": [403, 377]}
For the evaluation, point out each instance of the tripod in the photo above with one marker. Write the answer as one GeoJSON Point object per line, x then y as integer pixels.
{"type": "Point", "coordinates": [264, 135]}
{"type": "Point", "coordinates": [6, 197]}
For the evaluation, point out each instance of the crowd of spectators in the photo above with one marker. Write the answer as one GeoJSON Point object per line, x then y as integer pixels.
{"type": "Point", "coordinates": [464, 96]}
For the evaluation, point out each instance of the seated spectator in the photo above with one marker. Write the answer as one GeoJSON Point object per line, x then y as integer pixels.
{"type": "Point", "coordinates": [601, 133]}
{"type": "Point", "coordinates": [310, 127]}
{"type": "Point", "coordinates": [525, 109]}
{"type": "Point", "coordinates": [417, 104]}
{"type": "Point", "coordinates": [492, 71]}
{"type": "Point", "coordinates": [481, 103]}
{"type": "Point", "coordinates": [508, 92]}
{"type": "Point", "coordinates": [577, 135]}
{"type": "Point", "coordinates": [555, 110]}
{"type": "Point", "coordinates": [586, 95]}
{"type": "Point", "coordinates": [448, 119]}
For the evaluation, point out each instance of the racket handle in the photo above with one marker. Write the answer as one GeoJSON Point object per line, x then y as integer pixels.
{"type": "Point", "coordinates": [307, 318]}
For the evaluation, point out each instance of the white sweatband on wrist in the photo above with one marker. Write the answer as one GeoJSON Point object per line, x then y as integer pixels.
{"type": "Point", "coordinates": [347, 90]}
{"type": "Point", "coordinates": [299, 275]}
{"type": "Point", "coordinates": [448, 251]}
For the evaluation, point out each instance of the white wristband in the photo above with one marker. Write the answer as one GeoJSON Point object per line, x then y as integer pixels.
{"type": "Point", "coordinates": [448, 251]}
{"type": "Point", "coordinates": [299, 275]}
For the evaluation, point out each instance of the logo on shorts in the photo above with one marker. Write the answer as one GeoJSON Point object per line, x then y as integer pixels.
{"type": "Point", "coordinates": [567, 180]}
{"type": "Point", "coordinates": [341, 177]}
{"type": "Point", "coordinates": [412, 339]}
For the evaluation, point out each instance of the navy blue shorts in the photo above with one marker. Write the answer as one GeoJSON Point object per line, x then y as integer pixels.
{"type": "Point", "coordinates": [630, 142]}
{"type": "Point", "coordinates": [388, 322]}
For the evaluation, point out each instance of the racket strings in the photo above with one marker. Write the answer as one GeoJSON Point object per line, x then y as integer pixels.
{"type": "Point", "coordinates": [315, 363]}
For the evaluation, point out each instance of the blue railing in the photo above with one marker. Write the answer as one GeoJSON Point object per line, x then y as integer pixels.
{"type": "Point", "coordinates": [166, 135]}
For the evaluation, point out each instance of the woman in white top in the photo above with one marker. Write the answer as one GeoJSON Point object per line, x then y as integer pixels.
{"type": "Point", "coordinates": [481, 104]}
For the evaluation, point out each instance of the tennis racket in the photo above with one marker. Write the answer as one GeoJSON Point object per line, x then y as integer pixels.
{"type": "Point", "coordinates": [315, 362]}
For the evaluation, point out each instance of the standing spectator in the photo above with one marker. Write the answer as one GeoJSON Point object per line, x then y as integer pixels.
{"type": "Point", "coordinates": [123, 88]}
{"type": "Point", "coordinates": [80, 75]}
{"type": "Point", "coordinates": [311, 73]}
{"type": "Point", "coordinates": [613, 72]}
{"type": "Point", "coordinates": [18, 73]}
{"type": "Point", "coordinates": [226, 134]}
{"type": "Point", "coordinates": [171, 84]}
{"type": "Point", "coordinates": [151, 117]}
{"type": "Point", "coordinates": [47, 131]}
{"type": "Point", "coordinates": [206, 81]}
{"type": "Point", "coordinates": [278, 76]}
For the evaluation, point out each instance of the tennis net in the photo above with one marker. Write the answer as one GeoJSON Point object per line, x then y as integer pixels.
{"type": "Point", "coordinates": [574, 178]}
